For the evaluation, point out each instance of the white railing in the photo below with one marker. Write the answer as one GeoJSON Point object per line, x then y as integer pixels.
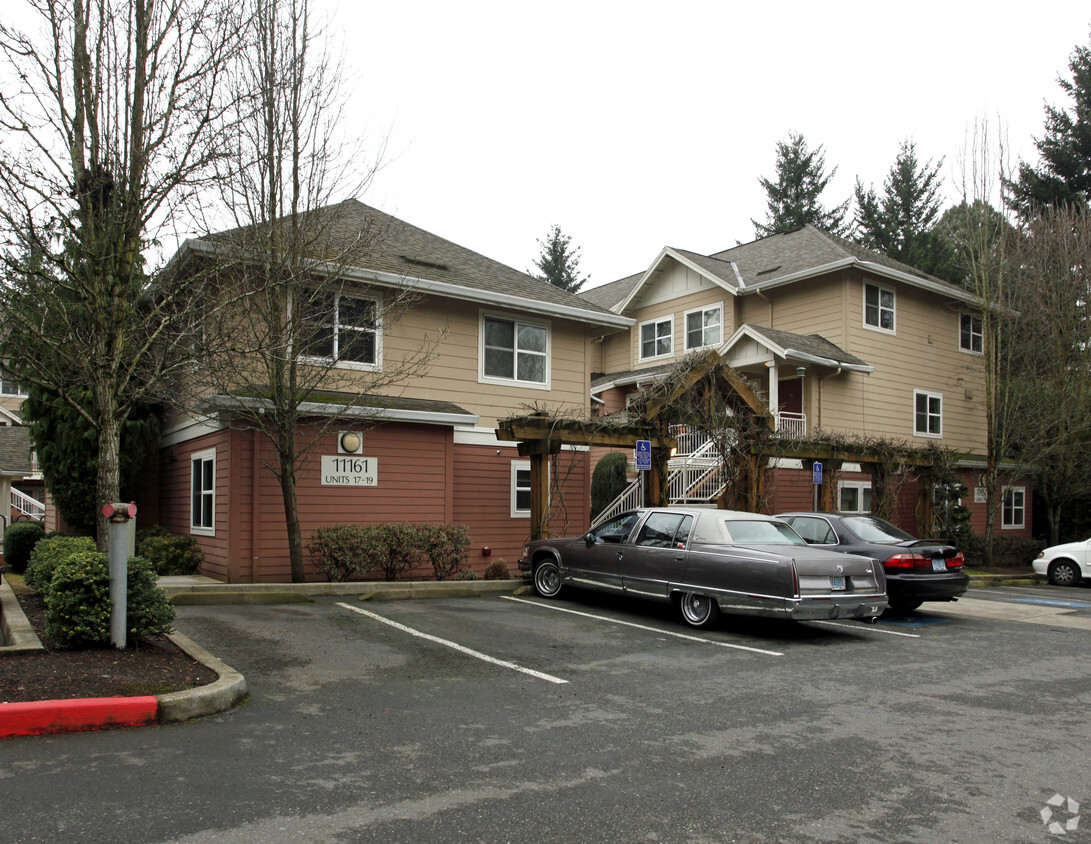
{"type": "Point", "coordinates": [27, 505]}
{"type": "Point", "coordinates": [690, 441]}
{"type": "Point", "coordinates": [631, 498]}
{"type": "Point", "coordinates": [695, 480]}
{"type": "Point", "coordinates": [792, 425]}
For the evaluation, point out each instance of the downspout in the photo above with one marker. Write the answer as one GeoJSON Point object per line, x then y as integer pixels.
{"type": "Point", "coordinates": [818, 410]}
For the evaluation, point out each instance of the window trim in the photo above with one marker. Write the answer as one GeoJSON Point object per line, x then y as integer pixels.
{"type": "Point", "coordinates": [859, 486]}
{"type": "Point", "coordinates": [203, 456]}
{"type": "Point", "coordinates": [516, 321]}
{"type": "Point", "coordinates": [518, 466]}
{"type": "Point", "coordinates": [20, 390]}
{"type": "Point", "coordinates": [979, 334]}
{"type": "Point", "coordinates": [640, 338]}
{"type": "Point", "coordinates": [893, 309]}
{"type": "Point", "coordinates": [1022, 508]}
{"type": "Point", "coordinates": [361, 366]}
{"type": "Point", "coordinates": [930, 395]}
{"type": "Point", "coordinates": [718, 306]}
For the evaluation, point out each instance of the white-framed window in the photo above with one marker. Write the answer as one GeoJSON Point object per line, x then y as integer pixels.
{"type": "Point", "coordinates": [878, 307]}
{"type": "Point", "coordinates": [854, 496]}
{"type": "Point", "coordinates": [971, 336]}
{"type": "Point", "coordinates": [657, 338]}
{"type": "Point", "coordinates": [514, 350]}
{"type": "Point", "coordinates": [202, 492]}
{"type": "Point", "coordinates": [11, 388]}
{"type": "Point", "coordinates": [927, 414]}
{"type": "Point", "coordinates": [1015, 508]}
{"type": "Point", "coordinates": [704, 327]}
{"type": "Point", "coordinates": [343, 328]}
{"type": "Point", "coordinates": [520, 489]}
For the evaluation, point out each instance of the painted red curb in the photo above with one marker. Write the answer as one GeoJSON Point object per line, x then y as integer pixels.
{"type": "Point", "coordinates": [40, 717]}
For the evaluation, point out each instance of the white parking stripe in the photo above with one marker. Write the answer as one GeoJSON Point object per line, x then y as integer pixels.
{"type": "Point", "coordinates": [869, 628]}
{"type": "Point", "coordinates": [643, 627]}
{"type": "Point", "coordinates": [477, 654]}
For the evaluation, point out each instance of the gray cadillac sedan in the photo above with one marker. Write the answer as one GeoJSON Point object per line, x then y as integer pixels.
{"type": "Point", "coordinates": [710, 561]}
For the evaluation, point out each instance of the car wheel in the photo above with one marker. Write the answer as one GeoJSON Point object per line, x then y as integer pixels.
{"type": "Point", "coordinates": [1064, 573]}
{"type": "Point", "coordinates": [547, 580]}
{"type": "Point", "coordinates": [905, 606]}
{"type": "Point", "coordinates": [698, 610]}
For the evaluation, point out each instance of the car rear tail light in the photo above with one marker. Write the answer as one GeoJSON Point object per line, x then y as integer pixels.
{"type": "Point", "coordinates": [956, 561]}
{"type": "Point", "coordinates": [907, 561]}
{"type": "Point", "coordinates": [795, 580]}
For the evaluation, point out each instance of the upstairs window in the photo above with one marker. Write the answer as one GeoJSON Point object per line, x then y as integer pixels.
{"type": "Point", "coordinates": [878, 307]}
{"type": "Point", "coordinates": [515, 350]}
{"type": "Point", "coordinates": [657, 339]}
{"type": "Point", "coordinates": [927, 414]}
{"type": "Point", "coordinates": [342, 328]}
{"type": "Point", "coordinates": [704, 327]}
{"type": "Point", "coordinates": [12, 388]}
{"type": "Point", "coordinates": [971, 338]}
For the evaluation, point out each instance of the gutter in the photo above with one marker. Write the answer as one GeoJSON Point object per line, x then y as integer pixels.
{"type": "Point", "coordinates": [386, 414]}
{"type": "Point", "coordinates": [851, 367]}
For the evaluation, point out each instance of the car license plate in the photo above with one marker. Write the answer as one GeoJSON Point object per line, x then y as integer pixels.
{"type": "Point", "coordinates": [837, 583]}
{"type": "Point", "coordinates": [939, 565]}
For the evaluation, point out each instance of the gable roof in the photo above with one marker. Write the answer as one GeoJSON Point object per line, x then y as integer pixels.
{"type": "Point", "coordinates": [775, 260]}
{"type": "Point", "coordinates": [813, 348]}
{"type": "Point", "coordinates": [399, 253]}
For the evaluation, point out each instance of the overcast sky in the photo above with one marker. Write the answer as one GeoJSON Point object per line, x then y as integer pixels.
{"type": "Point", "coordinates": [640, 125]}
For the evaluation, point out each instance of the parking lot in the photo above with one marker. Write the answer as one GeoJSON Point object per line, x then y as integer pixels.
{"type": "Point", "coordinates": [590, 718]}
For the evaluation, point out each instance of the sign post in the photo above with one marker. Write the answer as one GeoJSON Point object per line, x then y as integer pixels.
{"type": "Point", "coordinates": [816, 479]}
{"type": "Point", "coordinates": [643, 455]}
{"type": "Point", "coordinates": [119, 516]}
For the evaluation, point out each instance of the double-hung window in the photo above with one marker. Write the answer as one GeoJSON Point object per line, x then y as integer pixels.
{"type": "Point", "coordinates": [878, 307]}
{"type": "Point", "coordinates": [657, 338]}
{"type": "Point", "coordinates": [342, 328]}
{"type": "Point", "coordinates": [971, 337]}
{"type": "Point", "coordinates": [854, 497]}
{"type": "Point", "coordinates": [515, 350]}
{"type": "Point", "coordinates": [927, 414]}
{"type": "Point", "coordinates": [12, 388]}
{"type": "Point", "coordinates": [1015, 508]}
{"type": "Point", "coordinates": [202, 509]}
{"type": "Point", "coordinates": [704, 327]}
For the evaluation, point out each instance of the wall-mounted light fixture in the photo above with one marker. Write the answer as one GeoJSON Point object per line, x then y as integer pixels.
{"type": "Point", "coordinates": [349, 442]}
{"type": "Point", "coordinates": [801, 371]}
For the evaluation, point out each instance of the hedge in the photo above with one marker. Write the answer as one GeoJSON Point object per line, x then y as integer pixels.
{"type": "Point", "coordinates": [388, 550]}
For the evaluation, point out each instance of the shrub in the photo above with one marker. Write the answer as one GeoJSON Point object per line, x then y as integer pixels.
{"type": "Point", "coordinates": [49, 552]}
{"type": "Point", "coordinates": [497, 570]}
{"type": "Point", "coordinates": [1008, 551]}
{"type": "Point", "coordinates": [171, 555]}
{"type": "Point", "coordinates": [608, 480]}
{"type": "Point", "coordinates": [392, 548]}
{"type": "Point", "coordinates": [19, 541]}
{"type": "Point", "coordinates": [466, 574]}
{"type": "Point", "coordinates": [338, 551]}
{"type": "Point", "coordinates": [446, 547]}
{"type": "Point", "coordinates": [77, 603]}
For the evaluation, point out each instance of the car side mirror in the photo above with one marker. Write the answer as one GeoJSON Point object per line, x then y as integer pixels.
{"type": "Point", "coordinates": [589, 539]}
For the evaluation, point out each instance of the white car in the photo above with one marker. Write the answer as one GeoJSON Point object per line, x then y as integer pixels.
{"type": "Point", "coordinates": [1066, 565]}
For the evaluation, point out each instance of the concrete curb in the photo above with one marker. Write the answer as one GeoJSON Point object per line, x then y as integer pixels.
{"type": "Point", "coordinates": [218, 696]}
{"type": "Point", "coordinates": [1020, 579]}
{"type": "Point", "coordinates": [17, 635]}
{"type": "Point", "coordinates": [189, 591]}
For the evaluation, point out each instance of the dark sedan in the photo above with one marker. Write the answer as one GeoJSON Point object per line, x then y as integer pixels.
{"type": "Point", "coordinates": [917, 570]}
{"type": "Point", "coordinates": [708, 561]}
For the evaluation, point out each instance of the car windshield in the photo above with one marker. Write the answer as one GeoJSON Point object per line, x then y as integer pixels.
{"type": "Point", "coordinates": [747, 531]}
{"type": "Point", "coordinates": [871, 529]}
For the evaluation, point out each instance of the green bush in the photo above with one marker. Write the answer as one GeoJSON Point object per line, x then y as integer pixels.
{"type": "Point", "coordinates": [49, 552]}
{"type": "Point", "coordinates": [466, 574]}
{"type": "Point", "coordinates": [77, 603]}
{"type": "Point", "coordinates": [497, 570]}
{"type": "Point", "coordinates": [338, 551]}
{"type": "Point", "coordinates": [1008, 551]}
{"type": "Point", "coordinates": [608, 480]}
{"type": "Point", "coordinates": [19, 541]}
{"type": "Point", "coordinates": [171, 555]}
{"type": "Point", "coordinates": [446, 547]}
{"type": "Point", "coordinates": [393, 548]}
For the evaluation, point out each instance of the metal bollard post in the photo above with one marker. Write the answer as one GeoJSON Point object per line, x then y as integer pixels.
{"type": "Point", "coordinates": [119, 515]}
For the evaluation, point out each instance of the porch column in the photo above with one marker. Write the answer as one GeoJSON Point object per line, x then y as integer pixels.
{"type": "Point", "coordinates": [774, 392]}
{"type": "Point", "coordinates": [539, 496]}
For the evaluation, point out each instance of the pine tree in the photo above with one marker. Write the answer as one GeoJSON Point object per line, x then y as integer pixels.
{"type": "Point", "coordinates": [794, 197]}
{"type": "Point", "coordinates": [559, 263]}
{"type": "Point", "coordinates": [901, 222]}
{"type": "Point", "coordinates": [1064, 176]}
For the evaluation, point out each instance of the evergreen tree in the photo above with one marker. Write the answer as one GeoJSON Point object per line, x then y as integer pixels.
{"type": "Point", "coordinates": [900, 223]}
{"type": "Point", "coordinates": [1064, 176]}
{"type": "Point", "coordinates": [559, 263]}
{"type": "Point", "coordinates": [794, 197]}
{"type": "Point", "coordinates": [966, 234]}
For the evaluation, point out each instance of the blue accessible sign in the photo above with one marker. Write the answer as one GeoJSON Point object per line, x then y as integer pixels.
{"type": "Point", "coordinates": [643, 455]}
{"type": "Point", "coordinates": [817, 474]}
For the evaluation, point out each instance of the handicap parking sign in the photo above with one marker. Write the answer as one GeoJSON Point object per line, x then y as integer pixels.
{"type": "Point", "coordinates": [643, 455]}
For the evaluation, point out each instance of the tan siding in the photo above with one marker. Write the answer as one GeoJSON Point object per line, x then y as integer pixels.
{"type": "Point", "coordinates": [677, 309]}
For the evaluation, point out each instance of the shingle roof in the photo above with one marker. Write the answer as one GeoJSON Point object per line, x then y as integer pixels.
{"type": "Point", "coordinates": [808, 344]}
{"type": "Point", "coordinates": [14, 450]}
{"type": "Point", "coordinates": [369, 239]}
{"type": "Point", "coordinates": [608, 295]}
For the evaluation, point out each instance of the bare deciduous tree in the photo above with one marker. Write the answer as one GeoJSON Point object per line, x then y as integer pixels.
{"type": "Point", "coordinates": [296, 345]}
{"type": "Point", "coordinates": [113, 118]}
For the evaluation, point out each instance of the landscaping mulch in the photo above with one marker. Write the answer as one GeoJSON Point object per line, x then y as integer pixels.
{"type": "Point", "coordinates": [147, 666]}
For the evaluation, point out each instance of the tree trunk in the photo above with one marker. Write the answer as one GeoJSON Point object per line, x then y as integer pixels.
{"type": "Point", "coordinates": [286, 450]}
{"type": "Point", "coordinates": [109, 449]}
